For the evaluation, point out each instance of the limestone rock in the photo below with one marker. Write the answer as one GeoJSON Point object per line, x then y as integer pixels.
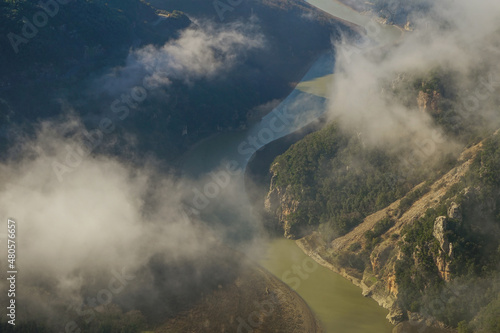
{"type": "Point", "coordinates": [392, 286]}
{"type": "Point", "coordinates": [440, 225]}
{"type": "Point", "coordinates": [429, 101]}
{"type": "Point", "coordinates": [280, 204]}
{"type": "Point", "coordinates": [442, 260]}
{"type": "Point", "coordinates": [443, 266]}
{"type": "Point", "coordinates": [454, 212]}
{"type": "Point", "coordinates": [396, 315]}
{"type": "Point", "coordinates": [408, 26]}
{"type": "Point", "coordinates": [380, 256]}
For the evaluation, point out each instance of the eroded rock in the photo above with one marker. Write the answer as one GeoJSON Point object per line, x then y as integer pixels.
{"type": "Point", "coordinates": [443, 259]}
{"type": "Point", "coordinates": [440, 227]}
{"type": "Point", "coordinates": [454, 212]}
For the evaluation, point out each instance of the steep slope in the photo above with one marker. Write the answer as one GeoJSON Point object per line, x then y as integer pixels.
{"type": "Point", "coordinates": [429, 200]}
{"type": "Point", "coordinates": [417, 229]}
{"type": "Point", "coordinates": [378, 280]}
{"type": "Point", "coordinates": [330, 181]}
{"type": "Point", "coordinates": [430, 264]}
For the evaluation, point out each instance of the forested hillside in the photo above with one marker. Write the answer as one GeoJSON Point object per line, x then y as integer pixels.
{"type": "Point", "coordinates": [420, 236]}
{"type": "Point", "coordinates": [60, 42]}
{"type": "Point", "coordinates": [337, 179]}
{"type": "Point", "coordinates": [103, 40]}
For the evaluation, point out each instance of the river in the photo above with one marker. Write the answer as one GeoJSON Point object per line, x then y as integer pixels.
{"type": "Point", "coordinates": [338, 304]}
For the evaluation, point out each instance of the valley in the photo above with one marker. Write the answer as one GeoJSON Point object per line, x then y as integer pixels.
{"type": "Point", "coordinates": [252, 166]}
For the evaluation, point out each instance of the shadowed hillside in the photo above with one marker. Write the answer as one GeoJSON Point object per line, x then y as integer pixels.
{"type": "Point", "coordinates": [106, 47]}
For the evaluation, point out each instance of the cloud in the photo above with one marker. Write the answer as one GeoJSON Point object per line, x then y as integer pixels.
{"type": "Point", "coordinates": [106, 216]}
{"type": "Point", "coordinates": [455, 36]}
{"type": "Point", "coordinates": [202, 51]}
{"type": "Point", "coordinates": [110, 215]}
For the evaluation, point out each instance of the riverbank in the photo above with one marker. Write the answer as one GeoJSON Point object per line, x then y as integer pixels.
{"type": "Point", "coordinates": [342, 286]}
{"type": "Point", "coordinates": [314, 247]}
{"type": "Point", "coordinates": [335, 301]}
{"type": "Point", "coordinates": [256, 301]}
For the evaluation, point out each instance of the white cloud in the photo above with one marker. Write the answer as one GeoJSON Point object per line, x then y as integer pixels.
{"type": "Point", "coordinates": [454, 36]}
{"type": "Point", "coordinates": [203, 50]}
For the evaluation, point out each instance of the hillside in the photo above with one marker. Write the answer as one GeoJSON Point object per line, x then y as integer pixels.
{"type": "Point", "coordinates": [419, 236]}
{"type": "Point", "coordinates": [392, 11]}
{"type": "Point", "coordinates": [103, 40]}
{"type": "Point", "coordinates": [274, 308]}
{"type": "Point", "coordinates": [143, 83]}
{"type": "Point", "coordinates": [427, 260]}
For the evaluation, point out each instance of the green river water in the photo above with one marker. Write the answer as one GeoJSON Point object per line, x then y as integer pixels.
{"type": "Point", "coordinates": [337, 303]}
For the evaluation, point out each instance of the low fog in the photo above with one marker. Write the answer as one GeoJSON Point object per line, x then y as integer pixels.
{"type": "Point", "coordinates": [108, 216]}
{"type": "Point", "coordinates": [374, 97]}
{"type": "Point", "coordinates": [95, 229]}
{"type": "Point", "coordinates": [203, 51]}
{"type": "Point", "coordinates": [105, 217]}
{"type": "Point", "coordinates": [371, 93]}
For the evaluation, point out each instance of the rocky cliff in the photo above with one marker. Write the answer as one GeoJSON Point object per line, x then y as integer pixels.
{"type": "Point", "coordinates": [281, 204]}
{"type": "Point", "coordinates": [429, 101]}
{"type": "Point", "coordinates": [372, 267]}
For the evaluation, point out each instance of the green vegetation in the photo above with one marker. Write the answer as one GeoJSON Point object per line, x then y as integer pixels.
{"type": "Point", "coordinates": [330, 189]}
{"type": "Point", "coordinates": [90, 30]}
{"type": "Point", "coordinates": [463, 327]}
{"type": "Point", "coordinates": [74, 47]}
{"type": "Point", "coordinates": [354, 247]}
{"type": "Point", "coordinates": [339, 181]}
{"type": "Point", "coordinates": [89, 40]}
{"type": "Point", "coordinates": [488, 320]}
{"type": "Point", "coordinates": [438, 91]}
{"type": "Point", "coordinates": [379, 229]}
{"type": "Point", "coordinates": [475, 260]}
{"type": "Point", "coordinates": [413, 279]}
{"type": "Point", "coordinates": [346, 259]}
{"type": "Point", "coordinates": [397, 12]}
{"type": "Point", "coordinates": [373, 236]}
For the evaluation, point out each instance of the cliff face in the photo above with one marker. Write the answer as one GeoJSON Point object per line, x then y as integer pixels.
{"type": "Point", "coordinates": [280, 204]}
{"type": "Point", "coordinates": [429, 101]}
{"type": "Point", "coordinates": [378, 276]}
{"type": "Point", "coordinates": [442, 260]}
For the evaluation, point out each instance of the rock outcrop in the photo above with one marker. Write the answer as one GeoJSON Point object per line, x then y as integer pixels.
{"type": "Point", "coordinates": [440, 227]}
{"type": "Point", "coordinates": [454, 212]}
{"type": "Point", "coordinates": [443, 259]}
{"type": "Point", "coordinates": [408, 26]}
{"type": "Point", "coordinates": [280, 204]}
{"type": "Point", "coordinates": [429, 101]}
